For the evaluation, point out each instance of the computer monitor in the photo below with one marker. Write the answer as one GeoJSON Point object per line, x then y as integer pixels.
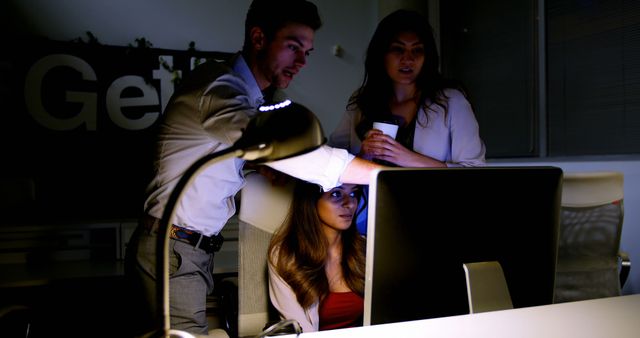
{"type": "Point", "coordinates": [423, 224]}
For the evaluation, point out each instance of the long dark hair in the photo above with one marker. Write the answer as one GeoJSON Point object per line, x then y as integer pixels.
{"type": "Point", "coordinates": [376, 91]}
{"type": "Point", "coordinates": [298, 251]}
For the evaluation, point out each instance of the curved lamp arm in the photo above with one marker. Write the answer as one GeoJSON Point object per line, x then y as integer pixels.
{"type": "Point", "coordinates": [167, 219]}
{"type": "Point", "coordinates": [287, 130]}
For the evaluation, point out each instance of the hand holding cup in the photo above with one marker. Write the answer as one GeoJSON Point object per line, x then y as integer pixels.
{"type": "Point", "coordinates": [386, 128]}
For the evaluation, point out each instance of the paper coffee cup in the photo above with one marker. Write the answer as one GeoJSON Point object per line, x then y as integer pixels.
{"type": "Point", "coordinates": [386, 128]}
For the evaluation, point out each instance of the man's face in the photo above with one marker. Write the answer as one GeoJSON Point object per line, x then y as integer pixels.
{"type": "Point", "coordinates": [279, 60]}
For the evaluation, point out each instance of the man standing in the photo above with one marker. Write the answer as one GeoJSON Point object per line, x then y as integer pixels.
{"type": "Point", "coordinates": [208, 113]}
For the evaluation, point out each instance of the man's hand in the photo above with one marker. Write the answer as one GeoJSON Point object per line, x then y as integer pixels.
{"type": "Point", "coordinates": [276, 177]}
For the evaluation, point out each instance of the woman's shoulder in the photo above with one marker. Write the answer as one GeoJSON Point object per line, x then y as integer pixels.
{"type": "Point", "coordinates": [454, 94]}
{"type": "Point", "coordinates": [274, 254]}
{"type": "Point", "coordinates": [447, 95]}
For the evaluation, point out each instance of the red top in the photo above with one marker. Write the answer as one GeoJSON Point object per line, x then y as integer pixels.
{"type": "Point", "coordinates": [340, 310]}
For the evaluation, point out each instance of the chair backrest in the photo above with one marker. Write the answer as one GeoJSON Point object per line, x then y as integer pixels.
{"type": "Point", "coordinates": [590, 230]}
{"type": "Point", "coordinates": [263, 208]}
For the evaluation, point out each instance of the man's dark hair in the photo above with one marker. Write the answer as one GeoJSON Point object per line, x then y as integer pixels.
{"type": "Point", "coordinates": [272, 15]}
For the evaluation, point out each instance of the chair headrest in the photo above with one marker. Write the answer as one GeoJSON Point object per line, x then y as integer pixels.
{"type": "Point", "coordinates": [588, 189]}
{"type": "Point", "coordinates": [263, 204]}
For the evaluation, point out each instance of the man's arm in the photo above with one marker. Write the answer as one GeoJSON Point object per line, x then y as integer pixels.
{"type": "Point", "coordinates": [358, 171]}
{"type": "Point", "coordinates": [329, 167]}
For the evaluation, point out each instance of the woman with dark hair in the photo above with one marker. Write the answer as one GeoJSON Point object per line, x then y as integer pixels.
{"type": "Point", "coordinates": [317, 259]}
{"type": "Point", "coordinates": [403, 85]}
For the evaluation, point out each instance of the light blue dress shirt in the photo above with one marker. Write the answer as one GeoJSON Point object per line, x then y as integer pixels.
{"type": "Point", "coordinates": [206, 115]}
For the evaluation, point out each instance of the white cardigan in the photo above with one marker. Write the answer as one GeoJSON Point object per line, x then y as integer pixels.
{"type": "Point", "coordinates": [455, 141]}
{"type": "Point", "coordinates": [284, 300]}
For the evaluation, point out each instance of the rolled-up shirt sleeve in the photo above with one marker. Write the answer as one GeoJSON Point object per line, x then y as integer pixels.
{"type": "Point", "coordinates": [323, 166]}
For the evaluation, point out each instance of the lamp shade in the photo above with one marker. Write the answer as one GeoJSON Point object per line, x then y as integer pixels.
{"type": "Point", "coordinates": [289, 129]}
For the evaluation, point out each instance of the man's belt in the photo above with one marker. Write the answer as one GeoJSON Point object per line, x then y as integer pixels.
{"type": "Point", "coordinates": [209, 244]}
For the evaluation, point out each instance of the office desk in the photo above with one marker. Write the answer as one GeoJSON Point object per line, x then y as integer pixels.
{"type": "Point", "coordinates": [615, 317]}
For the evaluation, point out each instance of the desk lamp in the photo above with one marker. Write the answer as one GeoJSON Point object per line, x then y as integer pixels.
{"type": "Point", "coordinates": [280, 131]}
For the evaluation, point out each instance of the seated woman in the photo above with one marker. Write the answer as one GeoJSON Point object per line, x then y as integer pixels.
{"type": "Point", "coordinates": [317, 259]}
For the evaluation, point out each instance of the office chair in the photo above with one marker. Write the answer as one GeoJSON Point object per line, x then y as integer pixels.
{"type": "Point", "coordinates": [263, 208]}
{"type": "Point", "coordinates": [590, 263]}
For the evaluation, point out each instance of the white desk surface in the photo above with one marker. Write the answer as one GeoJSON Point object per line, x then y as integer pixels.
{"type": "Point", "coordinates": [615, 317]}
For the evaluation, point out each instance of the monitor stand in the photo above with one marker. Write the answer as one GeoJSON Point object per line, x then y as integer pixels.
{"type": "Point", "coordinates": [486, 287]}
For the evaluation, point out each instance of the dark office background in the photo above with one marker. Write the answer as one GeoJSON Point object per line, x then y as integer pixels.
{"type": "Point", "coordinates": [553, 82]}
